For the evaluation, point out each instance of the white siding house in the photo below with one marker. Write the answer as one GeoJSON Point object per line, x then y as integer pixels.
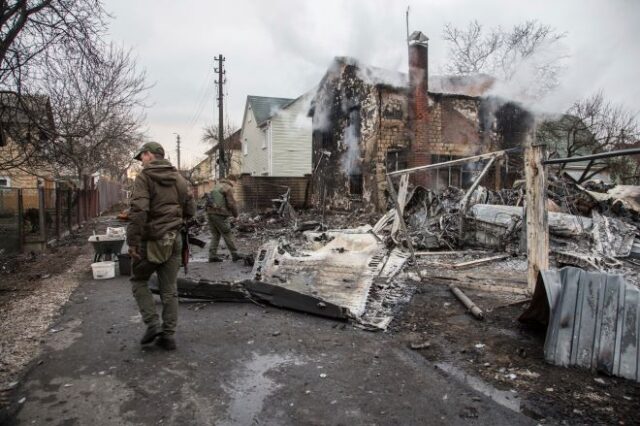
{"type": "Point", "coordinates": [276, 137]}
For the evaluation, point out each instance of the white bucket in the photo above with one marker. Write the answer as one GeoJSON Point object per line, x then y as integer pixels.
{"type": "Point", "coordinates": [103, 270]}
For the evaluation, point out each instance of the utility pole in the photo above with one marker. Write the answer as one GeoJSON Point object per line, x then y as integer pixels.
{"type": "Point", "coordinates": [221, 80]}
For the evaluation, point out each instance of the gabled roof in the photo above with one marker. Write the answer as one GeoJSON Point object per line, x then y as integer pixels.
{"type": "Point", "coordinates": [474, 85]}
{"type": "Point", "coordinates": [466, 85]}
{"type": "Point", "coordinates": [264, 107]}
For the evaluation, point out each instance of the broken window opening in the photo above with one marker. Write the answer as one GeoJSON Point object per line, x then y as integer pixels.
{"type": "Point", "coordinates": [450, 176]}
{"type": "Point", "coordinates": [327, 140]}
{"type": "Point", "coordinates": [396, 160]}
{"type": "Point", "coordinates": [355, 185]}
{"type": "Point", "coordinates": [461, 176]}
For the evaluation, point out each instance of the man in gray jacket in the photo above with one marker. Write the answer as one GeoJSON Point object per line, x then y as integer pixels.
{"type": "Point", "coordinates": [160, 203]}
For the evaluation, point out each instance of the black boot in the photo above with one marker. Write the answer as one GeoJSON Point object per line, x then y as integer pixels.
{"type": "Point", "coordinates": [215, 259]}
{"type": "Point", "coordinates": [167, 342]}
{"type": "Point", "coordinates": [150, 335]}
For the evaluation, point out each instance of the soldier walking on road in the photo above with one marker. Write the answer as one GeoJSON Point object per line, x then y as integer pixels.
{"type": "Point", "coordinates": [220, 206]}
{"type": "Point", "coordinates": [160, 202]}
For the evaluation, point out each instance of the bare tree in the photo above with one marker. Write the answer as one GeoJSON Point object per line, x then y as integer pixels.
{"type": "Point", "coordinates": [29, 28]}
{"type": "Point", "coordinates": [530, 52]}
{"type": "Point", "coordinates": [593, 125]}
{"type": "Point", "coordinates": [210, 136]}
{"type": "Point", "coordinates": [26, 129]}
{"type": "Point", "coordinates": [96, 105]}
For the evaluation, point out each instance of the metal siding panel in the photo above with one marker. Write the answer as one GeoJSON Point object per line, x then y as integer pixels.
{"type": "Point", "coordinates": [575, 345]}
{"type": "Point", "coordinates": [637, 309]}
{"type": "Point", "coordinates": [587, 328]}
{"type": "Point", "coordinates": [619, 327]}
{"type": "Point", "coordinates": [628, 354]}
{"type": "Point", "coordinates": [594, 323]}
{"type": "Point", "coordinates": [552, 284]}
{"type": "Point", "coordinates": [552, 280]}
{"type": "Point", "coordinates": [600, 300]}
{"type": "Point", "coordinates": [567, 318]}
{"type": "Point", "coordinates": [608, 328]}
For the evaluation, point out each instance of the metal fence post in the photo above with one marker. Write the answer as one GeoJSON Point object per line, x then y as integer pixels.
{"type": "Point", "coordinates": [69, 204]}
{"type": "Point", "coordinates": [58, 211]}
{"type": "Point", "coordinates": [78, 202]}
{"type": "Point", "coordinates": [20, 220]}
{"type": "Point", "coordinates": [41, 215]}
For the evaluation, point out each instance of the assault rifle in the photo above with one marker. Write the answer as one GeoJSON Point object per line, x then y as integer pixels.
{"type": "Point", "coordinates": [187, 240]}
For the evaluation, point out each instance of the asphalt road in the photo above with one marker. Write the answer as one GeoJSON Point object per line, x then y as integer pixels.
{"type": "Point", "coordinates": [236, 364]}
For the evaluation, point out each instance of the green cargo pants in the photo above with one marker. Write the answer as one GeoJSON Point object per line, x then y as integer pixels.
{"type": "Point", "coordinates": [167, 275]}
{"type": "Point", "coordinates": [219, 226]}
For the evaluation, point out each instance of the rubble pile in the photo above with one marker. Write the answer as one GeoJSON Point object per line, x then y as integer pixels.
{"type": "Point", "coordinates": [592, 226]}
{"type": "Point", "coordinates": [434, 220]}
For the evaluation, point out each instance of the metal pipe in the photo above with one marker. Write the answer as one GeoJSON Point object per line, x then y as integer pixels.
{"type": "Point", "coordinates": [473, 308]}
{"type": "Point", "coordinates": [465, 199]}
{"type": "Point", "coordinates": [403, 226]}
{"type": "Point", "coordinates": [607, 154]}
{"type": "Point", "coordinates": [455, 162]}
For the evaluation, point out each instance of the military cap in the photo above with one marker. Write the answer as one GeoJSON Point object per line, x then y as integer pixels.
{"type": "Point", "coordinates": [152, 147]}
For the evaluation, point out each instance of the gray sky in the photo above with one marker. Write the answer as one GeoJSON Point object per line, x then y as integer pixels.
{"type": "Point", "coordinates": [282, 48]}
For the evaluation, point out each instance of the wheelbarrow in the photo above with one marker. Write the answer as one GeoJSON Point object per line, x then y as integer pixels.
{"type": "Point", "coordinates": [106, 247]}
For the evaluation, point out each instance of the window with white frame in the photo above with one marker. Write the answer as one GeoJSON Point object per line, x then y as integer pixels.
{"type": "Point", "coordinates": [5, 182]}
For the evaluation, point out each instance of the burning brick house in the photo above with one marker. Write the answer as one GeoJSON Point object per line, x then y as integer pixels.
{"type": "Point", "coordinates": [368, 121]}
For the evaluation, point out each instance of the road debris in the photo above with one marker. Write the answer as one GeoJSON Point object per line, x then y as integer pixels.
{"type": "Point", "coordinates": [420, 345]}
{"type": "Point", "coordinates": [475, 310]}
{"type": "Point", "coordinates": [479, 261]}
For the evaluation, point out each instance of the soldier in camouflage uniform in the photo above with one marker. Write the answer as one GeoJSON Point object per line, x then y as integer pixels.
{"type": "Point", "coordinates": [160, 202]}
{"type": "Point", "coordinates": [220, 207]}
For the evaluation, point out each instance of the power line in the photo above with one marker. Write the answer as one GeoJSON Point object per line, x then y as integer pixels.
{"type": "Point", "coordinates": [205, 92]}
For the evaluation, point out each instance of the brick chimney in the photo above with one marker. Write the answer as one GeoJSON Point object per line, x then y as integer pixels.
{"type": "Point", "coordinates": [418, 101]}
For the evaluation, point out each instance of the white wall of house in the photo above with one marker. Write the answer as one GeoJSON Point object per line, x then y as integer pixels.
{"type": "Point", "coordinates": [254, 150]}
{"type": "Point", "coordinates": [291, 140]}
{"type": "Point", "coordinates": [281, 146]}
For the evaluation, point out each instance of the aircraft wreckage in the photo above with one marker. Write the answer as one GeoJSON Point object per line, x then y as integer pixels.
{"type": "Point", "coordinates": [349, 276]}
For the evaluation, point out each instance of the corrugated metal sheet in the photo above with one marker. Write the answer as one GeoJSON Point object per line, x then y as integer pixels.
{"type": "Point", "coordinates": [594, 321]}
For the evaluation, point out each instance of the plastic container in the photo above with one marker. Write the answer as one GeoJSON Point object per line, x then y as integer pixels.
{"type": "Point", "coordinates": [124, 261]}
{"type": "Point", "coordinates": [117, 232]}
{"type": "Point", "coordinates": [103, 270]}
